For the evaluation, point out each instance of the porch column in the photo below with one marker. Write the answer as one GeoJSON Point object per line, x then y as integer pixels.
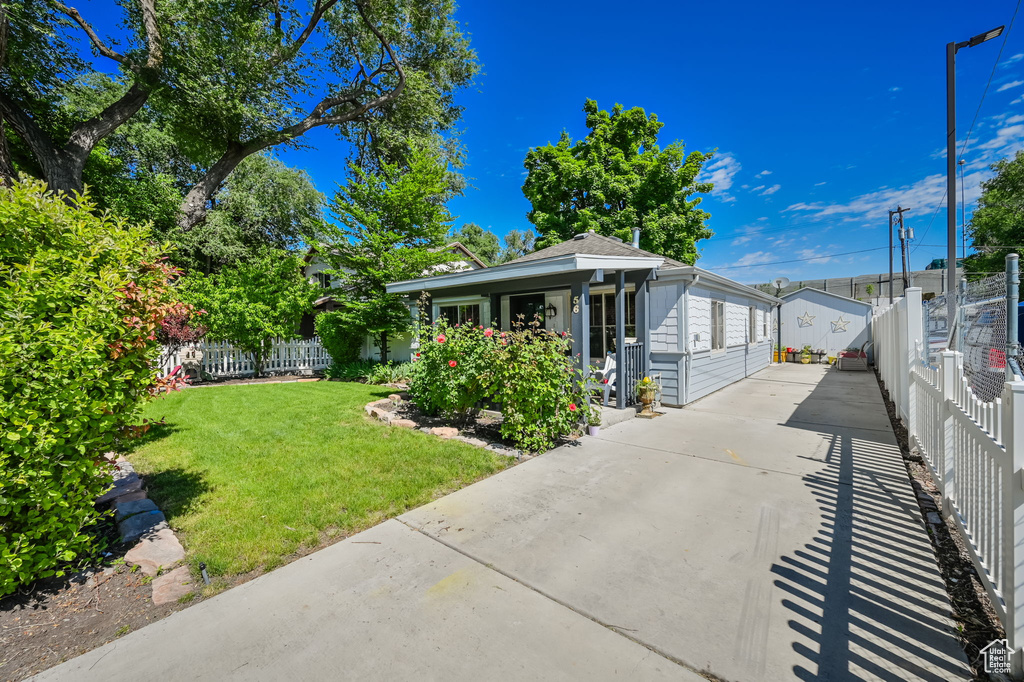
{"type": "Point", "coordinates": [621, 400]}
{"type": "Point", "coordinates": [641, 303]}
{"type": "Point", "coordinates": [579, 310]}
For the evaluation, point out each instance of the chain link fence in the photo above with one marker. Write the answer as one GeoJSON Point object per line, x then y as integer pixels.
{"type": "Point", "coordinates": [936, 328]}
{"type": "Point", "coordinates": [982, 335]}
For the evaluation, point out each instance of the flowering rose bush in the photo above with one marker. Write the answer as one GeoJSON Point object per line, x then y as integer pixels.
{"type": "Point", "coordinates": [452, 372]}
{"type": "Point", "coordinates": [529, 374]}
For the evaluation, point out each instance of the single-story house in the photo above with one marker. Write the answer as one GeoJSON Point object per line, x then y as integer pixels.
{"type": "Point", "coordinates": [824, 320]}
{"type": "Point", "coordinates": [698, 330]}
{"type": "Point", "coordinates": [315, 271]}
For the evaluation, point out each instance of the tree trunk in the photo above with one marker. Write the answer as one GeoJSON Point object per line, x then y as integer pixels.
{"type": "Point", "coordinates": [382, 340]}
{"type": "Point", "coordinates": [194, 207]}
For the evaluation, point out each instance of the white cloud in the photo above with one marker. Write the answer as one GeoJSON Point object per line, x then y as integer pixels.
{"type": "Point", "coordinates": [895, 88]}
{"type": "Point", "coordinates": [1014, 58]}
{"type": "Point", "coordinates": [819, 184]}
{"type": "Point", "coordinates": [1011, 84]}
{"type": "Point", "coordinates": [763, 173]}
{"type": "Point", "coordinates": [721, 171]}
{"type": "Point", "coordinates": [754, 258]}
{"type": "Point", "coordinates": [1014, 119]}
{"type": "Point", "coordinates": [1004, 137]}
{"type": "Point", "coordinates": [757, 189]}
{"type": "Point", "coordinates": [771, 190]}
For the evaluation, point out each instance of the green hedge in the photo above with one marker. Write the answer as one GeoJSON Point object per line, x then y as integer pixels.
{"type": "Point", "coordinates": [340, 335]}
{"type": "Point", "coordinates": [81, 299]}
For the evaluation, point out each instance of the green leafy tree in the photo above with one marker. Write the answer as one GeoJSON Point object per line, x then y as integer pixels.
{"type": "Point", "coordinates": [998, 221]}
{"type": "Point", "coordinates": [615, 179]}
{"type": "Point", "coordinates": [484, 244]}
{"type": "Point", "coordinates": [518, 243]}
{"type": "Point", "coordinates": [230, 80]}
{"type": "Point", "coordinates": [83, 297]}
{"type": "Point", "coordinates": [253, 302]}
{"type": "Point", "coordinates": [394, 225]}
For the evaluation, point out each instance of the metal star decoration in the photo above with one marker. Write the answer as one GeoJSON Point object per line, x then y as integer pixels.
{"type": "Point", "coordinates": [840, 325]}
{"type": "Point", "coordinates": [807, 320]}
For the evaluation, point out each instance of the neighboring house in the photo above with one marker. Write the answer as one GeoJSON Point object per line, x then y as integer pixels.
{"type": "Point", "coordinates": [316, 272]}
{"type": "Point", "coordinates": [698, 330]}
{"type": "Point", "coordinates": [822, 319]}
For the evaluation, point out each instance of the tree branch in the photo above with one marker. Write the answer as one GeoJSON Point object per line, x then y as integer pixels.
{"type": "Point", "coordinates": [319, 9]}
{"type": "Point", "coordinates": [86, 134]}
{"type": "Point", "coordinates": [38, 141]}
{"type": "Point", "coordinates": [104, 50]}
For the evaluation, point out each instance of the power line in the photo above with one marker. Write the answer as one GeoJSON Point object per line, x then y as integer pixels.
{"type": "Point", "coordinates": [798, 260]}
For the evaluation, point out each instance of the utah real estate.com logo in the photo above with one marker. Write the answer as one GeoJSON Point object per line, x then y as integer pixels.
{"type": "Point", "coordinates": [997, 657]}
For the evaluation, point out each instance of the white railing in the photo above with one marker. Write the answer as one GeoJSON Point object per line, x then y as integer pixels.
{"type": "Point", "coordinates": [973, 449]}
{"type": "Point", "coordinates": [221, 359]}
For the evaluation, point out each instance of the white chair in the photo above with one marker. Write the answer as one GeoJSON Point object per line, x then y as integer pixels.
{"type": "Point", "coordinates": [608, 374]}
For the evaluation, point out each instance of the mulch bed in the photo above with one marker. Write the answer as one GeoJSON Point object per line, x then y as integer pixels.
{"type": "Point", "coordinates": [973, 613]}
{"type": "Point", "coordinates": [57, 619]}
{"type": "Point", "coordinates": [271, 379]}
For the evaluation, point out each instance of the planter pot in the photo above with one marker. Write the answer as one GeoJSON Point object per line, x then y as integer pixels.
{"type": "Point", "coordinates": [594, 430]}
{"type": "Point", "coordinates": [793, 357]}
{"type": "Point", "coordinates": [805, 359]}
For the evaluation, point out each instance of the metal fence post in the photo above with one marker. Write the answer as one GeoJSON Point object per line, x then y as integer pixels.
{"type": "Point", "coordinates": [1013, 527]}
{"type": "Point", "coordinates": [1012, 299]}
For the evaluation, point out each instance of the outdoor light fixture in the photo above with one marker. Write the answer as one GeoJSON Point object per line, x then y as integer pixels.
{"type": "Point", "coordinates": [951, 50]}
{"type": "Point", "coordinates": [551, 310]}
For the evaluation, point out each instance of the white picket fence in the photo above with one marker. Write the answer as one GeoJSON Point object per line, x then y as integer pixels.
{"type": "Point", "coordinates": [221, 359]}
{"type": "Point", "coordinates": [974, 450]}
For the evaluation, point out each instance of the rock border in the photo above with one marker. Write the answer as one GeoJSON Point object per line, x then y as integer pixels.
{"type": "Point", "coordinates": [383, 410]}
{"type": "Point", "coordinates": [157, 551]}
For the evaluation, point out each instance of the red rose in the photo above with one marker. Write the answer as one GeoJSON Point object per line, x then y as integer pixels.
{"type": "Point", "coordinates": [488, 333]}
{"type": "Point", "coordinates": [452, 363]}
{"type": "Point", "coordinates": [441, 338]}
{"type": "Point", "coordinates": [572, 407]}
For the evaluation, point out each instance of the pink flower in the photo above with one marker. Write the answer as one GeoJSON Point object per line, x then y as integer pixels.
{"type": "Point", "coordinates": [488, 333]}
{"type": "Point", "coordinates": [563, 335]}
{"type": "Point", "coordinates": [452, 363]}
{"type": "Point", "coordinates": [572, 407]}
{"type": "Point", "coordinates": [442, 338]}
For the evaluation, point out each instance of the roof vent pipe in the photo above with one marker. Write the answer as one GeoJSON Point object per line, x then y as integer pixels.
{"type": "Point", "coordinates": [636, 237]}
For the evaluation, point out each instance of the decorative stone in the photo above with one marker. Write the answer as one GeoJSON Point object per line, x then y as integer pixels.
{"type": "Point", "coordinates": [155, 551]}
{"type": "Point", "coordinates": [395, 398]}
{"type": "Point", "coordinates": [444, 431]}
{"type": "Point", "coordinates": [382, 415]}
{"type": "Point", "coordinates": [172, 586]}
{"type": "Point", "coordinates": [500, 449]}
{"type": "Point", "coordinates": [134, 527]}
{"type": "Point", "coordinates": [471, 441]}
{"type": "Point", "coordinates": [126, 508]}
{"type": "Point", "coordinates": [934, 519]}
{"type": "Point", "coordinates": [130, 497]}
{"type": "Point", "coordinates": [122, 486]}
{"type": "Point", "coordinates": [404, 423]}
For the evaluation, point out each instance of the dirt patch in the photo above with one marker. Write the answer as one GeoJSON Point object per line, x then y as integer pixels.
{"type": "Point", "coordinates": [272, 379]}
{"type": "Point", "coordinates": [973, 614]}
{"type": "Point", "coordinates": [60, 618]}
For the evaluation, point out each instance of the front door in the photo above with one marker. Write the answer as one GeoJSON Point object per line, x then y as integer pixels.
{"type": "Point", "coordinates": [530, 306]}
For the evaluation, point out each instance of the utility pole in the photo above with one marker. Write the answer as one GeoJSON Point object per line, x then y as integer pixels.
{"type": "Point", "coordinates": [890, 257]}
{"type": "Point", "coordinates": [903, 247]}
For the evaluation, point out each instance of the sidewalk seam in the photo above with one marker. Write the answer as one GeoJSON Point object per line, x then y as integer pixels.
{"type": "Point", "coordinates": [667, 656]}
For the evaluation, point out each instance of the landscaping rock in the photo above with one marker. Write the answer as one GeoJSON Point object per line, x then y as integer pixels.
{"type": "Point", "coordinates": [404, 423]}
{"type": "Point", "coordinates": [382, 415]}
{"type": "Point", "coordinates": [472, 441]}
{"type": "Point", "coordinates": [500, 449]}
{"type": "Point", "coordinates": [134, 527]}
{"type": "Point", "coordinates": [122, 486]}
{"type": "Point", "coordinates": [445, 432]}
{"type": "Point", "coordinates": [130, 497]}
{"type": "Point", "coordinates": [934, 518]}
{"type": "Point", "coordinates": [155, 551]}
{"type": "Point", "coordinates": [123, 510]}
{"type": "Point", "coordinates": [173, 586]}
{"type": "Point", "coordinates": [395, 398]}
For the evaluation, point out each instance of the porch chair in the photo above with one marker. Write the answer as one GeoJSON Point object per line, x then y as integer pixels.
{"type": "Point", "coordinates": [854, 360]}
{"type": "Point", "coordinates": [607, 376]}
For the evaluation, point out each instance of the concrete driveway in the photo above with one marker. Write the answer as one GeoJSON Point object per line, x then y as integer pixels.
{"type": "Point", "coordinates": [767, 532]}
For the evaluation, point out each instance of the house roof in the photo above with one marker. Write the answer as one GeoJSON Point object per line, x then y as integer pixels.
{"type": "Point", "coordinates": [459, 246]}
{"type": "Point", "coordinates": [592, 244]}
{"type": "Point", "coordinates": [827, 293]}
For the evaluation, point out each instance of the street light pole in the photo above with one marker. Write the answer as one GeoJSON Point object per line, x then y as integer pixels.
{"type": "Point", "coordinates": [951, 50]}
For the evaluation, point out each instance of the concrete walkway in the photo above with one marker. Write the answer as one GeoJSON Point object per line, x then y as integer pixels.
{"type": "Point", "coordinates": [767, 532]}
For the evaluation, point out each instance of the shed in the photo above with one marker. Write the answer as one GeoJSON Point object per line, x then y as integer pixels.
{"type": "Point", "coordinates": [821, 319]}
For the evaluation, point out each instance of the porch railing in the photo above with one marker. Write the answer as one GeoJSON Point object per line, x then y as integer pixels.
{"type": "Point", "coordinates": [632, 372]}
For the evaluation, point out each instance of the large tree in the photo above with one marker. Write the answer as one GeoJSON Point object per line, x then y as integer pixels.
{"type": "Point", "coordinates": [234, 79]}
{"type": "Point", "coordinates": [998, 222]}
{"type": "Point", "coordinates": [394, 225]}
{"type": "Point", "coordinates": [615, 179]}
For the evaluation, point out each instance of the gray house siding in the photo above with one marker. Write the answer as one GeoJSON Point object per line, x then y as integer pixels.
{"type": "Point", "coordinates": [746, 351]}
{"type": "Point", "coordinates": [823, 310]}
{"type": "Point", "coordinates": [667, 353]}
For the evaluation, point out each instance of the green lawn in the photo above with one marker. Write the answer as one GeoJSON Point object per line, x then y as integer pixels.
{"type": "Point", "coordinates": [251, 473]}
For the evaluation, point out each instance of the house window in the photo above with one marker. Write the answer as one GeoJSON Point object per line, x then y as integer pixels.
{"type": "Point", "coordinates": [323, 280]}
{"type": "Point", "coordinates": [602, 322]}
{"type": "Point", "coordinates": [460, 314]}
{"type": "Point", "coordinates": [767, 320]}
{"type": "Point", "coordinates": [717, 325]}
{"type": "Point", "coordinates": [752, 324]}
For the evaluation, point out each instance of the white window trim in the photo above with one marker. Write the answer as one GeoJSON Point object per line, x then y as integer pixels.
{"type": "Point", "coordinates": [752, 325]}
{"type": "Point", "coordinates": [725, 328]}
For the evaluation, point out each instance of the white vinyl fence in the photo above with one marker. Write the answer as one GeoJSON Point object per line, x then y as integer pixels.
{"type": "Point", "coordinates": [221, 359]}
{"type": "Point", "coordinates": [973, 448]}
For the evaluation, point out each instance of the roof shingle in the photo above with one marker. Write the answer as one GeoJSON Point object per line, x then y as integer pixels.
{"type": "Point", "coordinates": [592, 244]}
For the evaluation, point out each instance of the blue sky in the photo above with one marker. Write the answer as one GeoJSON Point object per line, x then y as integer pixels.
{"type": "Point", "coordinates": [824, 115]}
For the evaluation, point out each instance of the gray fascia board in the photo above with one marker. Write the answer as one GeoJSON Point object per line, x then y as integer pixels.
{"type": "Point", "coordinates": [785, 297]}
{"type": "Point", "coordinates": [718, 282]}
{"type": "Point", "coordinates": [537, 268]}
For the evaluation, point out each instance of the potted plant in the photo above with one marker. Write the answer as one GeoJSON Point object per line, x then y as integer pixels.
{"type": "Point", "coordinates": [647, 390]}
{"type": "Point", "coordinates": [805, 355]}
{"type": "Point", "coordinates": [791, 354]}
{"type": "Point", "coordinates": [593, 419]}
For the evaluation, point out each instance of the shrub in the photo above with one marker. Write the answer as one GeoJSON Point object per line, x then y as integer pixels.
{"type": "Point", "coordinates": [530, 373]}
{"type": "Point", "coordinates": [453, 370]}
{"type": "Point", "coordinates": [83, 297]}
{"type": "Point", "coordinates": [389, 373]}
{"type": "Point", "coordinates": [539, 388]}
{"type": "Point", "coordinates": [350, 371]}
{"type": "Point", "coordinates": [341, 335]}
